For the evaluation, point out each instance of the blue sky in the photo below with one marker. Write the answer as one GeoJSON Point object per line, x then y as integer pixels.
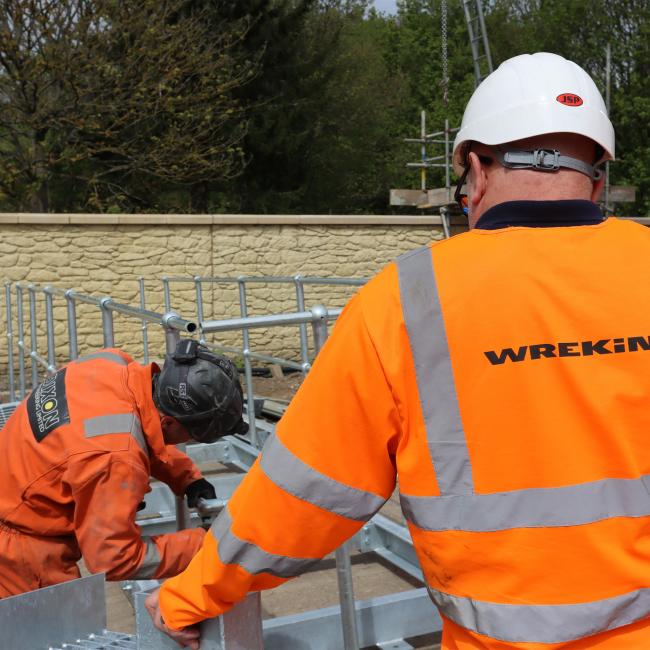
{"type": "Point", "coordinates": [386, 5]}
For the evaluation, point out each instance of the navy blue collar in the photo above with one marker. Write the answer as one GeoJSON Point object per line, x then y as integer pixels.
{"type": "Point", "coordinates": [540, 214]}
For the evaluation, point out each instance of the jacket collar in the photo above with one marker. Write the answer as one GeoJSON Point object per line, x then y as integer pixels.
{"type": "Point", "coordinates": [540, 214]}
{"type": "Point", "coordinates": [139, 382]}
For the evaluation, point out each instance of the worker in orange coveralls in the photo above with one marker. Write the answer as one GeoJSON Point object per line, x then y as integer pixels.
{"type": "Point", "coordinates": [504, 375]}
{"type": "Point", "coordinates": [78, 453]}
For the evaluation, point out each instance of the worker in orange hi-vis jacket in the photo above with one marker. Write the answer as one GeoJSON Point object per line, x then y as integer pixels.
{"type": "Point", "coordinates": [504, 376]}
{"type": "Point", "coordinates": [78, 453]}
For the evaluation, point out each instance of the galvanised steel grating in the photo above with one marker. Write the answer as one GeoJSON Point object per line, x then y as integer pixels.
{"type": "Point", "coordinates": [107, 640]}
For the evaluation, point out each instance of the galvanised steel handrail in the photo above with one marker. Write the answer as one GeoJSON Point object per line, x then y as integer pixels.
{"type": "Point", "coordinates": [171, 323]}
{"type": "Point", "coordinates": [251, 322]}
{"type": "Point", "coordinates": [269, 279]}
{"type": "Point", "coordinates": [299, 283]}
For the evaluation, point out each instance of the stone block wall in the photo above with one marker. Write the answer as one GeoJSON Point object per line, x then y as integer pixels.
{"type": "Point", "coordinates": [106, 254]}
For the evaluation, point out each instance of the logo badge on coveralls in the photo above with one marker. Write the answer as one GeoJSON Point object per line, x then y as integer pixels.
{"type": "Point", "coordinates": [47, 406]}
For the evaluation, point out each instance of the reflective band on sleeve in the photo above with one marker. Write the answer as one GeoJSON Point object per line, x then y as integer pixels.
{"type": "Point", "coordinates": [250, 557]}
{"type": "Point", "coordinates": [543, 623]}
{"type": "Point", "coordinates": [294, 476]}
{"type": "Point", "coordinates": [426, 331]}
{"type": "Point", "coordinates": [150, 563]}
{"type": "Point", "coordinates": [108, 356]}
{"type": "Point", "coordinates": [570, 505]}
{"type": "Point", "coordinates": [116, 423]}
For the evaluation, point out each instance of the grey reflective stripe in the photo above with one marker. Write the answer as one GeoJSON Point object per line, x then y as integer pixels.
{"type": "Point", "coordinates": [294, 476]}
{"type": "Point", "coordinates": [150, 563]}
{"type": "Point", "coordinates": [233, 550]}
{"type": "Point", "coordinates": [426, 331]}
{"type": "Point", "coordinates": [570, 505]}
{"type": "Point", "coordinates": [108, 356]}
{"type": "Point", "coordinates": [116, 423]}
{"type": "Point", "coordinates": [543, 623]}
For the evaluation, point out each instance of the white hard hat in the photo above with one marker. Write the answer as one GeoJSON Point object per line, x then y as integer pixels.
{"type": "Point", "coordinates": [535, 94]}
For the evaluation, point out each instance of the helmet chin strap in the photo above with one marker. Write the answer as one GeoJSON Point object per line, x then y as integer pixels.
{"type": "Point", "coordinates": [544, 160]}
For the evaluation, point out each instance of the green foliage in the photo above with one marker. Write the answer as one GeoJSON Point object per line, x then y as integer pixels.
{"type": "Point", "coordinates": [272, 105]}
{"type": "Point", "coordinates": [108, 103]}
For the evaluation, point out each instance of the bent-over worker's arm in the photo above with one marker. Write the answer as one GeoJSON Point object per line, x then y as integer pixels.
{"type": "Point", "coordinates": [105, 507]}
{"type": "Point", "coordinates": [327, 470]}
{"type": "Point", "coordinates": [178, 472]}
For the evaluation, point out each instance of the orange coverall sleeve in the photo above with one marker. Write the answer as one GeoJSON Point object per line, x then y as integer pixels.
{"type": "Point", "coordinates": [329, 467]}
{"type": "Point", "coordinates": [177, 473]}
{"type": "Point", "coordinates": [106, 499]}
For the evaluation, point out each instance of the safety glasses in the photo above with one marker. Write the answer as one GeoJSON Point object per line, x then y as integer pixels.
{"type": "Point", "coordinates": [459, 197]}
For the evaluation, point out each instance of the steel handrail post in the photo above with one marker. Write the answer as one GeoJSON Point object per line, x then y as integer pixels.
{"type": "Point", "coordinates": [166, 294]}
{"type": "Point", "coordinates": [33, 350]}
{"type": "Point", "coordinates": [304, 341]}
{"type": "Point", "coordinates": [10, 345]}
{"type": "Point", "coordinates": [343, 565]}
{"type": "Point", "coordinates": [199, 306]}
{"type": "Point", "coordinates": [71, 306]}
{"type": "Point", "coordinates": [248, 368]}
{"type": "Point", "coordinates": [444, 220]}
{"type": "Point", "coordinates": [172, 337]}
{"type": "Point", "coordinates": [108, 330]}
{"type": "Point", "coordinates": [49, 323]}
{"type": "Point", "coordinates": [21, 339]}
{"type": "Point", "coordinates": [145, 333]}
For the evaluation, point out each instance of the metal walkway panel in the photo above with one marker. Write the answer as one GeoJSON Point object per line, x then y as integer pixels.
{"type": "Point", "coordinates": [106, 640]}
{"type": "Point", "coordinates": [38, 620]}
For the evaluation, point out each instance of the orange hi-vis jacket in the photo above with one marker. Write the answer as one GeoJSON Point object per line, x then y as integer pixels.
{"type": "Point", "coordinates": [504, 376]}
{"type": "Point", "coordinates": [77, 456]}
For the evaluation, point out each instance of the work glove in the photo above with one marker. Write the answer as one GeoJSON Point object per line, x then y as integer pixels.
{"type": "Point", "coordinates": [200, 489]}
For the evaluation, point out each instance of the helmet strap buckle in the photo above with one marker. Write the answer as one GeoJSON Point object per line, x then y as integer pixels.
{"type": "Point", "coordinates": [544, 160]}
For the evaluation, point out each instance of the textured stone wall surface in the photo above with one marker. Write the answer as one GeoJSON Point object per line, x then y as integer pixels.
{"type": "Point", "coordinates": [96, 258]}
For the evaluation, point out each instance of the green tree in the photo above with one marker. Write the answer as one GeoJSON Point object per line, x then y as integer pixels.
{"type": "Point", "coordinates": [117, 100]}
{"type": "Point", "coordinates": [322, 131]}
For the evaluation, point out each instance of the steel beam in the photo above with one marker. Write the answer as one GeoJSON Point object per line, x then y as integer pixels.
{"type": "Point", "coordinates": [392, 542]}
{"type": "Point", "coordinates": [380, 620]}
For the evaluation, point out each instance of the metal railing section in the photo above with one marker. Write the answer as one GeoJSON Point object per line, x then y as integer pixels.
{"type": "Point", "coordinates": [302, 318]}
{"type": "Point", "coordinates": [318, 317]}
{"type": "Point", "coordinates": [171, 323]}
{"type": "Point", "coordinates": [299, 283]}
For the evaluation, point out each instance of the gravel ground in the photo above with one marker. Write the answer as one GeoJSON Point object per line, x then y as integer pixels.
{"type": "Point", "coordinates": [281, 388]}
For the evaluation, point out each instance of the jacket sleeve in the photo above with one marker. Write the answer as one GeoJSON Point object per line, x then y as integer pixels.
{"type": "Point", "coordinates": [107, 489]}
{"type": "Point", "coordinates": [329, 467]}
{"type": "Point", "coordinates": [177, 473]}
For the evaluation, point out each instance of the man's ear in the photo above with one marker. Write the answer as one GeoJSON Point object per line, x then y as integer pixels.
{"type": "Point", "coordinates": [597, 189]}
{"type": "Point", "coordinates": [478, 179]}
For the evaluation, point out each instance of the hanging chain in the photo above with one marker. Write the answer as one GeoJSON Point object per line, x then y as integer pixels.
{"type": "Point", "coordinates": [445, 59]}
